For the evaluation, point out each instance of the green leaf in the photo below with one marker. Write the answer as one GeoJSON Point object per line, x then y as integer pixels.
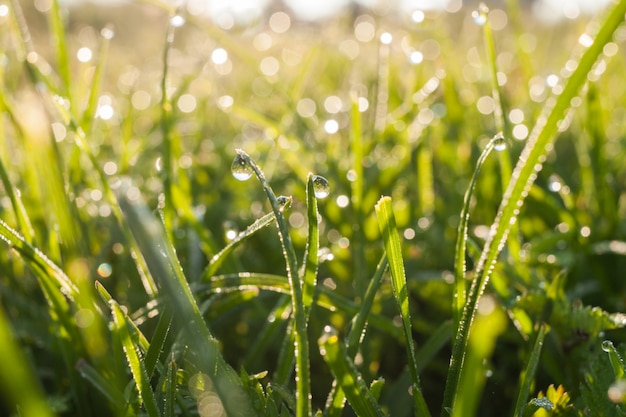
{"type": "Point", "coordinates": [391, 239]}
{"type": "Point", "coordinates": [135, 362]}
{"type": "Point", "coordinates": [347, 376]}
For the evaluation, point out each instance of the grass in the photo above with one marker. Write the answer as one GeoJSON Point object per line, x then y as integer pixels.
{"type": "Point", "coordinates": [379, 258]}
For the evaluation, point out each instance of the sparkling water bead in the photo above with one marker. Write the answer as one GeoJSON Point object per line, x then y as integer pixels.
{"type": "Point", "coordinates": [284, 202]}
{"type": "Point", "coordinates": [480, 15]}
{"type": "Point", "coordinates": [241, 168]}
{"type": "Point", "coordinates": [499, 143]}
{"type": "Point", "coordinates": [321, 187]}
{"type": "Point", "coordinates": [607, 345]}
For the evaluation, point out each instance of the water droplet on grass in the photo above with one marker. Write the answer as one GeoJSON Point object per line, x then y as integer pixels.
{"type": "Point", "coordinates": [480, 15]}
{"type": "Point", "coordinates": [284, 202]}
{"type": "Point", "coordinates": [607, 345]}
{"type": "Point", "coordinates": [177, 21]}
{"type": "Point", "coordinates": [499, 143]}
{"type": "Point", "coordinates": [241, 168]}
{"type": "Point", "coordinates": [321, 187]}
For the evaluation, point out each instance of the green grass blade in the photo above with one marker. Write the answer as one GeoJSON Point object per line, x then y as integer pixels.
{"type": "Point", "coordinates": [391, 240]}
{"type": "Point", "coordinates": [158, 340]}
{"type": "Point", "coordinates": [501, 126]}
{"type": "Point", "coordinates": [36, 259]}
{"type": "Point", "coordinates": [106, 35]}
{"type": "Point", "coordinates": [160, 255]}
{"type": "Point", "coordinates": [324, 297]}
{"type": "Point", "coordinates": [311, 257]}
{"type": "Point", "coordinates": [218, 259]}
{"type": "Point", "coordinates": [490, 322]}
{"type": "Point", "coordinates": [21, 216]}
{"type": "Point", "coordinates": [170, 390]}
{"type": "Point", "coordinates": [57, 26]}
{"type": "Point", "coordinates": [357, 153]}
{"type": "Point", "coordinates": [461, 239]}
{"type": "Point", "coordinates": [522, 179]}
{"type": "Point", "coordinates": [110, 392]}
{"type": "Point", "coordinates": [301, 342]}
{"type": "Point", "coordinates": [135, 363]}
{"type": "Point", "coordinates": [336, 398]}
{"type": "Point", "coordinates": [347, 376]}
{"type": "Point", "coordinates": [617, 363]}
{"type": "Point", "coordinates": [528, 374]}
{"type": "Point", "coordinates": [17, 378]}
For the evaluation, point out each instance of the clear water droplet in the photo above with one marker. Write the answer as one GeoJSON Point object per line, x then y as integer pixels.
{"type": "Point", "coordinates": [284, 202]}
{"type": "Point", "coordinates": [499, 143]}
{"type": "Point", "coordinates": [607, 345]}
{"type": "Point", "coordinates": [480, 15]}
{"type": "Point", "coordinates": [177, 21]}
{"type": "Point", "coordinates": [321, 187]}
{"type": "Point", "coordinates": [241, 168]}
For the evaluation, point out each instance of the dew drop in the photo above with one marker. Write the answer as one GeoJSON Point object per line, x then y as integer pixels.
{"type": "Point", "coordinates": [177, 21]}
{"type": "Point", "coordinates": [321, 188]}
{"type": "Point", "coordinates": [241, 168]}
{"type": "Point", "coordinates": [607, 345]}
{"type": "Point", "coordinates": [499, 143]}
{"type": "Point", "coordinates": [480, 15]}
{"type": "Point", "coordinates": [284, 202]}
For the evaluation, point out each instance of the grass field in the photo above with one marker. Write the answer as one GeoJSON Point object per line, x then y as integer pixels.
{"type": "Point", "coordinates": [378, 214]}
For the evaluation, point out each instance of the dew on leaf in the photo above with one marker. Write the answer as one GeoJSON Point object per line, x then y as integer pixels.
{"type": "Point", "coordinates": [499, 143]}
{"type": "Point", "coordinates": [241, 168]}
{"type": "Point", "coordinates": [321, 187]}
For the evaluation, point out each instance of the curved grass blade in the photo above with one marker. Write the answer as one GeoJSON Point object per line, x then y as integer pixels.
{"type": "Point", "coordinates": [347, 376]}
{"type": "Point", "coordinates": [301, 343]}
{"type": "Point", "coordinates": [160, 255]}
{"type": "Point", "coordinates": [135, 363]}
{"type": "Point", "coordinates": [461, 239]}
{"type": "Point", "coordinates": [391, 240]}
{"type": "Point", "coordinates": [36, 259]}
{"type": "Point", "coordinates": [21, 216]}
{"type": "Point", "coordinates": [523, 177]}
{"type": "Point", "coordinates": [218, 259]}
{"type": "Point", "coordinates": [324, 297]}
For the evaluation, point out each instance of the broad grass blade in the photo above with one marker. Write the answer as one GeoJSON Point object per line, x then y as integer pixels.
{"type": "Point", "coordinates": [164, 266]}
{"type": "Point", "coordinates": [524, 175]}
{"type": "Point", "coordinates": [391, 240]}
{"type": "Point", "coordinates": [347, 377]}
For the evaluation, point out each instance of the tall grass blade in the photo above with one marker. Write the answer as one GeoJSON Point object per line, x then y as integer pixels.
{"type": "Point", "coordinates": [21, 216]}
{"type": "Point", "coordinates": [347, 376]}
{"type": "Point", "coordinates": [311, 256]}
{"type": "Point", "coordinates": [391, 240]}
{"type": "Point", "coordinates": [490, 322]}
{"type": "Point", "coordinates": [161, 257]}
{"type": "Point", "coordinates": [218, 259]}
{"type": "Point", "coordinates": [135, 362]}
{"type": "Point", "coordinates": [524, 175]}
{"type": "Point", "coordinates": [528, 374]}
{"type": "Point", "coordinates": [460, 282]}
{"type": "Point", "coordinates": [336, 398]}
{"type": "Point", "coordinates": [57, 26]}
{"type": "Point", "coordinates": [301, 343]}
